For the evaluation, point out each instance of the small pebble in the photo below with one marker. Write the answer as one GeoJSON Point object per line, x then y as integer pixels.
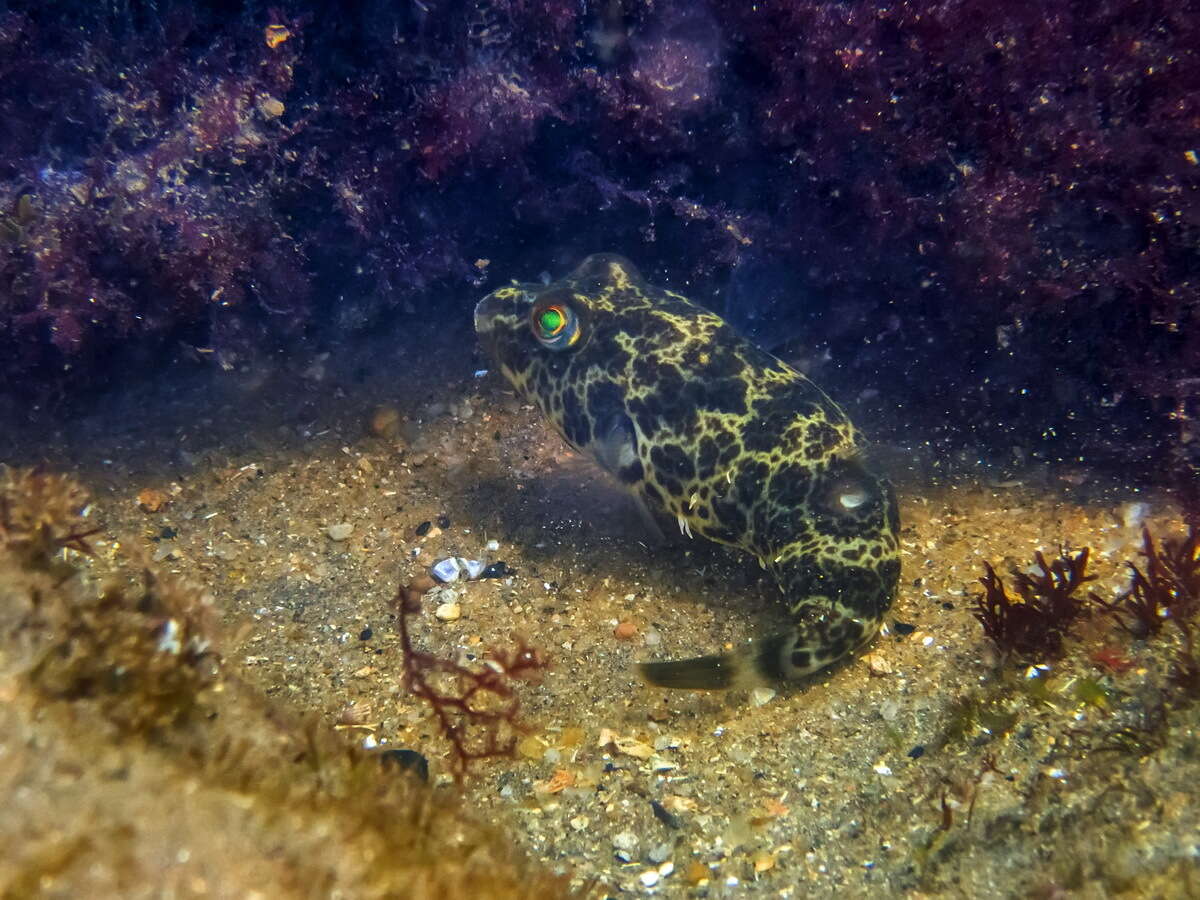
{"type": "Point", "coordinates": [660, 853]}
{"type": "Point", "coordinates": [422, 583]}
{"type": "Point", "coordinates": [406, 761]}
{"type": "Point", "coordinates": [492, 546]}
{"type": "Point", "coordinates": [449, 612]}
{"type": "Point", "coordinates": [497, 570]}
{"type": "Point", "coordinates": [916, 752]}
{"type": "Point", "coordinates": [697, 872]}
{"type": "Point", "coordinates": [365, 634]}
{"type": "Point", "coordinates": [473, 567]}
{"type": "Point", "coordinates": [903, 628]}
{"type": "Point", "coordinates": [168, 640]}
{"type": "Point", "coordinates": [761, 696]}
{"type": "Point", "coordinates": [649, 878]}
{"type": "Point", "coordinates": [151, 500]}
{"type": "Point", "coordinates": [423, 529]}
{"type": "Point", "coordinates": [385, 422]}
{"type": "Point", "coordinates": [664, 815]}
{"type": "Point", "coordinates": [625, 631]}
{"type": "Point", "coordinates": [341, 531]}
{"type": "Point", "coordinates": [443, 522]}
{"type": "Point", "coordinates": [878, 665]}
{"type": "Point", "coordinates": [626, 841]}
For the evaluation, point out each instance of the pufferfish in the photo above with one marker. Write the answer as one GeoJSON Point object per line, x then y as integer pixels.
{"type": "Point", "coordinates": [716, 433]}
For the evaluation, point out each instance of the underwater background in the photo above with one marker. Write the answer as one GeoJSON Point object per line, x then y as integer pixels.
{"type": "Point", "coordinates": [242, 413]}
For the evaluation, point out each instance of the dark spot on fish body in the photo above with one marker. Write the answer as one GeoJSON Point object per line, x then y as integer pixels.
{"type": "Point", "coordinates": [731, 518]}
{"type": "Point", "coordinates": [707, 454]}
{"type": "Point", "coordinates": [839, 524]}
{"type": "Point", "coordinates": [604, 401]}
{"type": "Point", "coordinates": [576, 425]}
{"type": "Point", "coordinates": [671, 485]}
{"type": "Point", "coordinates": [657, 331]}
{"type": "Point", "coordinates": [821, 437]}
{"type": "Point", "coordinates": [671, 459]}
{"type": "Point", "coordinates": [673, 405]}
{"type": "Point", "coordinates": [889, 576]}
{"type": "Point", "coordinates": [632, 473]}
{"type": "Point", "coordinates": [772, 416]}
{"type": "Point", "coordinates": [788, 527]}
{"type": "Point", "coordinates": [789, 486]}
{"type": "Point", "coordinates": [861, 589]}
{"type": "Point", "coordinates": [748, 482]}
{"type": "Point", "coordinates": [647, 418]}
{"type": "Point", "coordinates": [721, 395]}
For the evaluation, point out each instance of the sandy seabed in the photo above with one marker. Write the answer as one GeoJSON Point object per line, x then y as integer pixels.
{"type": "Point", "coordinates": [928, 766]}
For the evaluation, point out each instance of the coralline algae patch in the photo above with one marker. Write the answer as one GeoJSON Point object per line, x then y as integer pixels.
{"type": "Point", "coordinates": [189, 180]}
{"type": "Point", "coordinates": [929, 763]}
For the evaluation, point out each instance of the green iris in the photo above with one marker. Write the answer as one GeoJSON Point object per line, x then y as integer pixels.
{"type": "Point", "coordinates": [554, 324]}
{"type": "Point", "coordinates": [551, 321]}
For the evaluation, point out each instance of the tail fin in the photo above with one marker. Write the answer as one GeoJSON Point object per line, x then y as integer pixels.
{"type": "Point", "coordinates": [752, 665]}
{"type": "Point", "coordinates": [702, 673]}
{"type": "Point", "coordinates": [808, 648]}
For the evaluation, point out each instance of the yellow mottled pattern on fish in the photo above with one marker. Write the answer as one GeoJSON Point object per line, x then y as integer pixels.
{"type": "Point", "coordinates": [731, 442]}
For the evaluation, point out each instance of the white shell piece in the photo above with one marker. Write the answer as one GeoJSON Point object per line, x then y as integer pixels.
{"type": "Point", "coordinates": [446, 570]}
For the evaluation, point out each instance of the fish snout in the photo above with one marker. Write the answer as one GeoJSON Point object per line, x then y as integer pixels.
{"type": "Point", "coordinates": [485, 313]}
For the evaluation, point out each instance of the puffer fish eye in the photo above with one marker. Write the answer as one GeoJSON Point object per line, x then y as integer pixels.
{"type": "Point", "coordinates": [555, 325]}
{"type": "Point", "coordinates": [852, 498]}
{"type": "Point", "coordinates": [849, 493]}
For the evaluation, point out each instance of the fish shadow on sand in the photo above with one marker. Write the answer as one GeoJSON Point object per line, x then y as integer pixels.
{"type": "Point", "coordinates": [572, 517]}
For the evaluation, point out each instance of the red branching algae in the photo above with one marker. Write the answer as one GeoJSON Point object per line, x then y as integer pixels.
{"type": "Point", "coordinates": [476, 708]}
{"type": "Point", "coordinates": [1166, 587]}
{"type": "Point", "coordinates": [1034, 625]}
